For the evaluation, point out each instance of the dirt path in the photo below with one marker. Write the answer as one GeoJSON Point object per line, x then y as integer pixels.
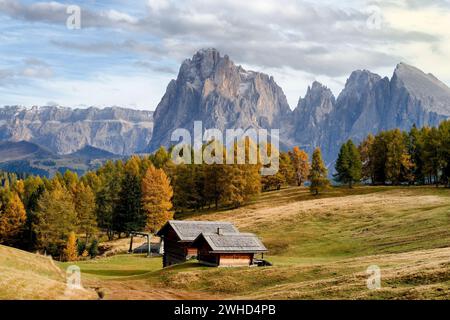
{"type": "Point", "coordinates": [139, 290]}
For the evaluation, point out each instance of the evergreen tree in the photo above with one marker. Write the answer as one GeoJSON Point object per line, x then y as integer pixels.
{"type": "Point", "coordinates": [107, 198]}
{"type": "Point", "coordinates": [318, 174]}
{"type": "Point", "coordinates": [444, 153]}
{"type": "Point", "coordinates": [348, 164]}
{"type": "Point", "coordinates": [156, 199]}
{"type": "Point", "coordinates": [127, 215]}
{"type": "Point", "coordinates": [431, 155]}
{"type": "Point", "coordinates": [415, 150]}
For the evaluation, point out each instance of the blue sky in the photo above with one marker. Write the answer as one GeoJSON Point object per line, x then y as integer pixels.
{"type": "Point", "coordinates": [126, 52]}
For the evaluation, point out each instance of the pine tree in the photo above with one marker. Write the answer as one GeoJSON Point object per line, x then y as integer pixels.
{"type": "Point", "coordinates": [300, 162]}
{"type": "Point", "coordinates": [444, 152]}
{"type": "Point", "coordinates": [378, 156]}
{"type": "Point", "coordinates": [318, 173]}
{"type": "Point", "coordinates": [415, 150]}
{"type": "Point", "coordinates": [70, 251]}
{"type": "Point", "coordinates": [127, 215]}
{"type": "Point", "coordinates": [156, 199]}
{"type": "Point", "coordinates": [348, 164]}
{"type": "Point", "coordinates": [107, 197]}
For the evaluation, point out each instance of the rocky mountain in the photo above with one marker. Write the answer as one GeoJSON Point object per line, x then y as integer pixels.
{"type": "Point", "coordinates": [311, 115]}
{"type": "Point", "coordinates": [212, 89]}
{"type": "Point", "coordinates": [369, 104]}
{"type": "Point", "coordinates": [64, 130]}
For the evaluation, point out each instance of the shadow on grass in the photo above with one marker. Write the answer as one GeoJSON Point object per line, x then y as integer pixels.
{"type": "Point", "coordinates": [115, 273]}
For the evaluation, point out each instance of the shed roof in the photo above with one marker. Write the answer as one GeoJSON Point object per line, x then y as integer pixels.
{"type": "Point", "coordinates": [190, 230]}
{"type": "Point", "coordinates": [232, 242]}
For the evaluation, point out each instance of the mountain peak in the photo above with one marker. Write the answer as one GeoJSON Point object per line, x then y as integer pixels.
{"type": "Point", "coordinates": [433, 93]}
{"type": "Point", "coordinates": [212, 89]}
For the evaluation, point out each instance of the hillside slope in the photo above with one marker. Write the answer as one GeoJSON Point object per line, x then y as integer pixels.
{"type": "Point", "coordinates": [26, 276]}
{"type": "Point", "coordinates": [321, 248]}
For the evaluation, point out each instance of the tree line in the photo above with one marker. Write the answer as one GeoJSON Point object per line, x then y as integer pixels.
{"type": "Point", "coordinates": [65, 215]}
{"type": "Point", "coordinates": [394, 157]}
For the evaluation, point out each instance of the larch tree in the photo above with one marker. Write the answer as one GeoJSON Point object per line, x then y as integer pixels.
{"type": "Point", "coordinates": [318, 175]}
{"type": "Point", "coordinates": [12, 216]}
{"type": "Point", "coordinates": [300, 162]}
{"type": "Point", "coordinates": [85, 208]}
{"type": "Point", "coordinates": [157, 196]}
{"type": "Point", "coordinates": [70, 251]}
{"type": "Point", "coordinates": [56, 218]}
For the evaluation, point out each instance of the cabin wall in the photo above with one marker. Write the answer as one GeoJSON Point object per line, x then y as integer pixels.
{"type": "Point", "coordinates": [206, 258]}
{"type": "Point", "coordinates": [174, 251]}
{"type": "Point", "coordinates": [235, 259]}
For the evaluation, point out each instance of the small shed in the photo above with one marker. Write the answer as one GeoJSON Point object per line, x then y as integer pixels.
{"type": "Point", "coordinates": [178, 236]}
{"type": "Point", "coordinates": [221, 249]}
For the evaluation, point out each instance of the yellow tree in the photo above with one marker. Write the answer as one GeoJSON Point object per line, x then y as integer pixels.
{"type": "Point", "coordinates": [56, 218]}
{"type": "Point", "coordinates": [156, 198]}
{"type": "Point", "coordinates": [300, 162]}
{"type": "Point", "coordinates": [12, 216]}
{"type": "Point", "coordinates": [85, 208]}
{"type": "Point", "coordinates": [70, 251]}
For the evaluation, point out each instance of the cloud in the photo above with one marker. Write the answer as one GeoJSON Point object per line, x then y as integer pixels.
{"type": "Point", "coordinates": [296, 40]}
{"type": "Point", "coordinates": [314, 38]}
{"type": "Point", "coordinates": [29, 68]}
{"type": "Point", "coordinates": [56, 13]}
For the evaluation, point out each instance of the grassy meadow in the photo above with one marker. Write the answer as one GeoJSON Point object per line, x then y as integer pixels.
{"type": "Point", "coordinates": [320, 246]}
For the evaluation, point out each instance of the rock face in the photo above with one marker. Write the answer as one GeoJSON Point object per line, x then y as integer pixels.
{"type": "Point", "coordinates": [64, 131]}
{"type": "Point", "coordinates": [212, 89]}
{"type": "Point", "coordinates": [368, 104]}
{"type": "Point", "coordinates": [311, 116]}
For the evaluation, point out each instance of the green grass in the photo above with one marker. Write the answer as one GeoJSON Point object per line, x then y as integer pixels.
{"type": "Point", "coordinates": [320, 247]}
{"type": "Point", "coordinates": [119, 266]}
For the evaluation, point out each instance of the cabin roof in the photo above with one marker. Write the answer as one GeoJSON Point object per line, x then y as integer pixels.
{"type": "Point", "coordinates": [190, 230]}
{"type": "Point", "coordinates": [232, 242]}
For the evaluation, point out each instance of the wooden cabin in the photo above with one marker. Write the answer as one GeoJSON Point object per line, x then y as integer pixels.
{"type": "Point", "coordinates": [220, 249]}
{"type": "Point", "coordinates": [178, 236]}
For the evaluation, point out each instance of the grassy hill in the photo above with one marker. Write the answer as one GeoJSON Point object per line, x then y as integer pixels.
{"type": "Point", "coordinates": [320, 247]}
{"type": "Point", "coordinates": [28, 276]}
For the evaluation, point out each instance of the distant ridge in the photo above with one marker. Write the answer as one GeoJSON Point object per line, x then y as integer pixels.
{"type": "Point", "coordinates": [11, 151]}
{"type": "Point", "coordinates": [90, 152]}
